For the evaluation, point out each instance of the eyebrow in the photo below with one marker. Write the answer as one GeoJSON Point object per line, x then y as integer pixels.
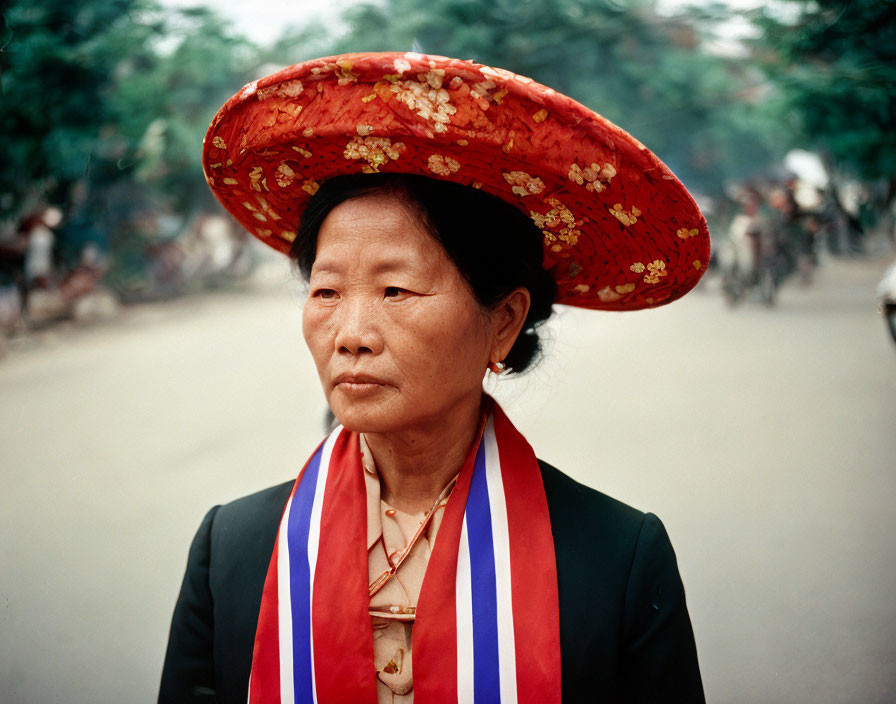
{"type": "Point", "coordinates": [383, 267]}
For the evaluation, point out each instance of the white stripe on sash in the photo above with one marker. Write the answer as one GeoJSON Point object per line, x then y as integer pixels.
{"type": "Point", "coordinates": [463, 596]}
{"type": "Point", "coordinates": [501, 547]}
{"type": "Point", "coordinates": [284, 610]}
{"type": "Point", "coordinates": [314, 534]}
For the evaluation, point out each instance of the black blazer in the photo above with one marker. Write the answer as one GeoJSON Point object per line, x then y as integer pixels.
{"type": "Point", "coordinates": [624, 629]}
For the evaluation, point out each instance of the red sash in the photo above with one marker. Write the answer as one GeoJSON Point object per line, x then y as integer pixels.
{"type": "Point", "coordinates": [487, 624]}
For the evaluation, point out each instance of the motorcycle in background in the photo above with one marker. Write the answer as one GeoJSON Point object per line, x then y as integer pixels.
{"type": "Point", "coordinates": [886, 292]}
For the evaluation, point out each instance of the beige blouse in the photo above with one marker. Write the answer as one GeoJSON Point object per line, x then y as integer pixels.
{"type": "Point", "coordinates": [403, 539]}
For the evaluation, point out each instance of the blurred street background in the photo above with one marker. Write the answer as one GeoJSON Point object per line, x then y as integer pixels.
{"type": "Point", "coordinates": [151, 360]}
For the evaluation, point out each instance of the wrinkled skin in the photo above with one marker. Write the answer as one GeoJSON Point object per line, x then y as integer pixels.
{"type": "Point", "coordinates": [399, 341]}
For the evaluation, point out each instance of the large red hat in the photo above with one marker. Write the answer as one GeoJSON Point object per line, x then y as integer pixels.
{"type": "Point", "coordinates": [620, 231]}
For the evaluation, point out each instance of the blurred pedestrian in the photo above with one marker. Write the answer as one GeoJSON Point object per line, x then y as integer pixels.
{"type": "Point", "coordinates": [793, 231]}
{"type": "Point", "coordinates": [886, 292]}
{"type": "Point", "coordinates": [35, 228]}
{"type": "Point", "coordinates": [750, 255]}
{"type": "Point", "coordinates": [13, 289]}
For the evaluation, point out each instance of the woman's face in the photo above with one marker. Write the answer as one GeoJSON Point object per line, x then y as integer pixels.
{"type": "Point", "coordinates": [396, 335]}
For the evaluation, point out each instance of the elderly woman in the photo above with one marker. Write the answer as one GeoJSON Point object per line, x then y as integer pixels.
{"type": "Point", "coordinates": [438, 209]}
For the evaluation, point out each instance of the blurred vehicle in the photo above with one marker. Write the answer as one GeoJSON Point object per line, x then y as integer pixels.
{"type": "Point", "coordinates": [752, 260]}
{"type": "Point", "coordinates": [886, 292]}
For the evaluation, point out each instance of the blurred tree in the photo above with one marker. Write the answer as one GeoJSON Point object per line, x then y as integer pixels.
{"type": "Point", "coordinates": [104, 106]}
{"type": "Point", "coordinates": [649, 73]}
{"type": "Point", "coordinates": [59, 68]}
{"type": "Point", "coordinates": [164, 106]}
{"type": "Point", "coordinates": [833, 64]}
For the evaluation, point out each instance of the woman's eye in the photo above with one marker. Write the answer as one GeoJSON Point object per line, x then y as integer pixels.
{"type": "Point", "coordinates": [325, 293]}
{"type": "Point", "coordinates": [393, 291]}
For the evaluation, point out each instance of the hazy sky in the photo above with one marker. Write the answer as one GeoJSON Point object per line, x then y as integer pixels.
{"type": "Point", "coordinates": [263, 20]}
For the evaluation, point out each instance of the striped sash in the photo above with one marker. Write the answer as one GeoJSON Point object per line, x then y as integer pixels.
{"type": "Point", "coordinates": [487, 623]}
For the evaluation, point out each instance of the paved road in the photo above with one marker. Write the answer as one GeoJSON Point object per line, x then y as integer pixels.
{"type": "Point", "coordinates": [766, 440]}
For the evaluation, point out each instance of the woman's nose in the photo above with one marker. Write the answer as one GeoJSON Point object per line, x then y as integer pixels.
{"type": "Point", "coordinates": [357, 329]}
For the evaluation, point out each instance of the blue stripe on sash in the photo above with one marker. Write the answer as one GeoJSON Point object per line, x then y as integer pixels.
{"type": "Point", "coordinates": [486, 678]}
{"type": "Point", "coordinates": [300, 579]}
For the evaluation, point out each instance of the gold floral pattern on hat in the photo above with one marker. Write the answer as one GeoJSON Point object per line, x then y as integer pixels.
{"type": "Point", "coordinates": [376, 151]}
{"type": "Point", "coordinates": [442, 165]}
{"type": "Point", "coordinates": [559, 226]}
{"type": "Point", "coordinates": [341, 69]}
{"type": "Point", "coordinates": [426, 98]}
{"type": "Point", "coordinates": [594, 177]}
{"type": "Point", "coordinates": [257, 179]}
{"type": "Point", "coordinates": [627, 216]}
{"type": "Point", "coordinates": [285, 175]}
{"type": "Point", "coordinates": [523, 184]}
{"type": "Point", "coordinates": [655, 270]}
{"type": "Point", "coordinates": [287, 89]}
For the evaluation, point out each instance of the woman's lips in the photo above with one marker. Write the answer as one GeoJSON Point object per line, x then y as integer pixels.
{"type": "Point", "coordinates": [357, 383]}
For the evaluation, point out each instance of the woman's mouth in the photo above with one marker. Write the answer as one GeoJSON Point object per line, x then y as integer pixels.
{"type": "Point", "coordinates": [357, 384]}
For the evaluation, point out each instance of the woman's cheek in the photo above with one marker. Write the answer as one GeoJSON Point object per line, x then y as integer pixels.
{"type": "Point", "coordinates": [316, 326]}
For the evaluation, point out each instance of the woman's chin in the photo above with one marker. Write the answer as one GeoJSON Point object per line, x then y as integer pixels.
{"type": "Point", "coordinates": [363, 423]}
{"type": "Point", "coordinates": [364, 415]}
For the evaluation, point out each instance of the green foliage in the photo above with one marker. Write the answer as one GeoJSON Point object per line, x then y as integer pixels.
{"type": "Point", "coordinates": [55, 81]}
{"type": "Point", "coordinates": [646, 72]}
{"type": "Point", "coordinates": [164, 106]}
{"type": "Point", "coordinates": [104, 107]}
{"type": "Point", "coordinates": [833, 63]}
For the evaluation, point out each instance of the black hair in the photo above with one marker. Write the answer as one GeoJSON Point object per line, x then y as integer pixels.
{"type": "Point", "coordinates": [495, 246]}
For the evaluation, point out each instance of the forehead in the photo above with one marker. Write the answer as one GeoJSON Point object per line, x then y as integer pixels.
{"type": "Point", "coordinates": [376, 231]}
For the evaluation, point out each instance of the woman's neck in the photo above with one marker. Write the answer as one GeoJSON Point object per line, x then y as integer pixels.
{"type": "Point", "coordinates": [415, 465]}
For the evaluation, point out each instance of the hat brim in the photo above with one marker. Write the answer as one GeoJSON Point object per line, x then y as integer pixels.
{"type": "Point", "coordinates": [620, 230]}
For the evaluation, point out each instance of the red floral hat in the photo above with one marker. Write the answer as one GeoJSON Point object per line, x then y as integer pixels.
{"type": "Point", "coordinates": [620, 231]}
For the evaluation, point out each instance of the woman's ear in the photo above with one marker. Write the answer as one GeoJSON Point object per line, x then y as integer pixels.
{"type": "Point", "coordinates": [507, 320]}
